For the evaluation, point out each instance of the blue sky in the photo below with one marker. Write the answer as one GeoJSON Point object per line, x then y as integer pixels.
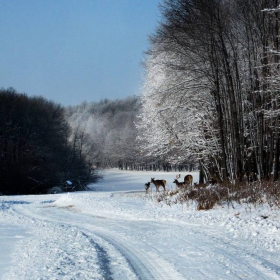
{"type": "Point", "coordinates": [74, 50]}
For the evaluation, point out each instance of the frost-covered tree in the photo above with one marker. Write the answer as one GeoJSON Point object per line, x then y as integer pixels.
{"type": "Point", "coordinates": [108, 130]}
{"type": "Point", "coordinates": [174, 127]}
{"type": "Point", "coordinates": [211, 88]}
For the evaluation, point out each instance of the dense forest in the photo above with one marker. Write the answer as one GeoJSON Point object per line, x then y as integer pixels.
{"type": "Point", "coordinates": [211, 90]}
{"type": "Point", "coordinates": [35, 151]}
{"type": "Point", "coordinates": [104, 132]}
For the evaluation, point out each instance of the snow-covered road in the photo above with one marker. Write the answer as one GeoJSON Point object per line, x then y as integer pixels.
{"type": "Point", "coordinates": [118, 232]}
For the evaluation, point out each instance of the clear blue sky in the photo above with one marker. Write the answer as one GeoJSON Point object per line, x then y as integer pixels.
{"type": "Point", "coordinates": [74, 50]}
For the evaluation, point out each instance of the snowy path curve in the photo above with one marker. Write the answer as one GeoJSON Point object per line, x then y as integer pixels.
{"type": "Point", "coordinates": [118, 232]}
{"type": "Point", "coordinates": [121, 236]}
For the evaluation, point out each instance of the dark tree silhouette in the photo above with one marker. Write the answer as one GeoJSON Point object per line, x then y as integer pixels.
{"type": "Point", "coordinates": [34, 150]}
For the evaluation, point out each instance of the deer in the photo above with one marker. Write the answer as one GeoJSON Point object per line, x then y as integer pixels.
{"type": "Point", "coordinates": [179, 184]}
{"type": "Point", "coordinates": [188, 180]}
{"type": "Point", "coordinates": [147, 186]}
{"type": "Point", "coordinates": [158, 183]}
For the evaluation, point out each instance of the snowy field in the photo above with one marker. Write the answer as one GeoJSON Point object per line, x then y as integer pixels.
{"type": "Point", "coordinates": [119, 232]}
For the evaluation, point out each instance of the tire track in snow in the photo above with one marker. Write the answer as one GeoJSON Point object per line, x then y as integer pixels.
{"type": "Point", "coordinates": [240, 261]}
{"type": "Point", "coordinates": [134, 262]}
{"type": "Point", "coordinates": [145, 265]}
{"type": "Point", "coordinates": [138, 267]}
{"type": "Point", "coordinates": [268, 266]}
{"type": "Point", "coordinates": [103, 259]}
{"type": "Point", "coordinates": [47, 222]}
{"type": "Point", "coordinates": [204, 250]}
{"type": "Point", "coordinates": [258, 261]}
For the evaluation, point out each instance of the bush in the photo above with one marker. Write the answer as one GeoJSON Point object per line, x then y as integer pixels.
{"type": "Point", "coordinates": [207, 196]}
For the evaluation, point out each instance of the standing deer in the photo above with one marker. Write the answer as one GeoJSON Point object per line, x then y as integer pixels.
{"type": "Point", "coordinates": [158, 183]}
{"type": "Point", "coordinates": [147, 186]}
{"type": "Point", "coordinates": [179, 184]}
{"type": "Point", "coordinates": [188, 180]}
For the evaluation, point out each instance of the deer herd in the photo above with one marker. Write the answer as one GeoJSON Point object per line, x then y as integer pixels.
{"type": "Point", "coordinates": [188, 181]}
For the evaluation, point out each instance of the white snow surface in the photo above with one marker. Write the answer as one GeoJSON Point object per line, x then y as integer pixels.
{"type": "Point", "coordinates": [117, 231]}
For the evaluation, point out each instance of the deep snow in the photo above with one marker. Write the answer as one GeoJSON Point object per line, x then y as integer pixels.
{"type": "Point", "coordinates": [119, 232]}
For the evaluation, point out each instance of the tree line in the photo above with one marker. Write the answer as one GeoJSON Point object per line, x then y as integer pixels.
{"type": "Point", "coordinates": [105, 133]}
{"type": "Point", "coordinates": [35, 151]}
{"type": "Point", "coordinates": [211, 91]}
{"type": "Point", "coordinates": [44, 145]}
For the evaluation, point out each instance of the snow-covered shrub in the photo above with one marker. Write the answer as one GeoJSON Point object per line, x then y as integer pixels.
{"type": "Point", "coordinates": [272, 193]}
{"type": "Point", "coordinates": [208, 196]}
